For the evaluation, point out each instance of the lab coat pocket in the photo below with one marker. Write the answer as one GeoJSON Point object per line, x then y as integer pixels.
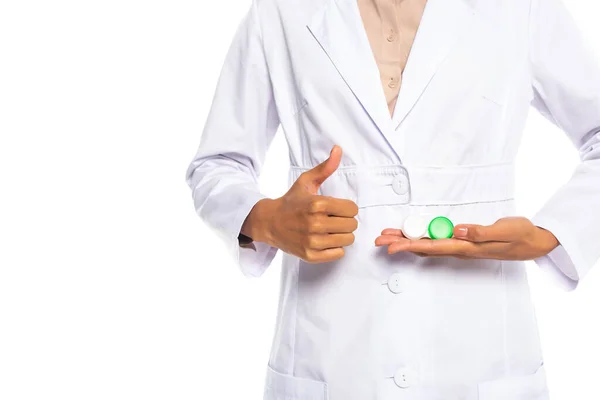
{"type": "Point", "coordinates": [495, 90]}
{"type": "Point", "coordinates": [281, 386]}
{"type": "Point", "coordinates": [492, 58]}
{"type": "Point", "coordinates": [524, 387]}
{"type": "Point", "coordinates": [496, 80]}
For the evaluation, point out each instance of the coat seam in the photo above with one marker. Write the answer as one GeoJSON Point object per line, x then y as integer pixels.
{"type": "Point", "coordinates": [505, 317]}
{"type": "Point", "coordinates": [462, 203]}
{"type": "Point", "coordinates": [293, 344]}
{"type": "Point", "coordinates": [409, 167]}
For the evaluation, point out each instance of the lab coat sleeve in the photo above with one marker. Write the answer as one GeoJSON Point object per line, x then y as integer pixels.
{"type": "Point", "coordinates": [566, 86]}
{"type": "Point", "coordinates": [241, 124]}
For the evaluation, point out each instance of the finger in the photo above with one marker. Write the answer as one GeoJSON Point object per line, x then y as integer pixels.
{"type": "Point", "coordinates": [322, 256]}
{"type": "Point", "coordinates": [455, 248]}
{"type": "Point", "coordinates": [385, 240]}
{"type": "Point", "coordinates": [434, 247]}
{"type": "Point", "coordinates": [392, 231]}
{"type": "Point", "coordinates": [326, 224]}
{"type": "Point", "coordinates": [321, 172]}
{"type": "Point", "coordinates": [497, 232]}
{"type": "Point", "coordinates": [329, 241]}
{"type": "Point", "coordinates": [334, 207]}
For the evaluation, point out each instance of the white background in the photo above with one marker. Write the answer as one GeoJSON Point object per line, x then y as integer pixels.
{"type": "Point", "coordinates": [110, 285]}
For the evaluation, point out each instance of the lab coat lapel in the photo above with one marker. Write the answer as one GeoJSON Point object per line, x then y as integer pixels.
{"type": "Point", "coordinates": [339, 29]}
{"type": "Point", "coordinates": [442, 25]}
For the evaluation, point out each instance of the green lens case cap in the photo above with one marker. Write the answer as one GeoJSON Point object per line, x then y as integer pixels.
{"type": "Point", "coordinates": [440, 228]}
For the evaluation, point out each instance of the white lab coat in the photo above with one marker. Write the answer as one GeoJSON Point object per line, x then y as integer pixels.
{"type": "Point", "coordinates": [373, 326]}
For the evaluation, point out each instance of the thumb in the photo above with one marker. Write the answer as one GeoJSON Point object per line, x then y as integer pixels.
{"type": "Point", "coordinates": [497, 232]}
{"type": "Point", "coordinates": [321, 172]}
{"type": "Point", "coordinates": [471, 232]}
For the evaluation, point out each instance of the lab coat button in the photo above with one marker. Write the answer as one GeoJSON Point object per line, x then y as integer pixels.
{"type": "Point", "coordinates": [395, 283]}
{"type": "Point", "coordinates": [400, 184]}
{"type": "Point", "coordinates": [403, 378]}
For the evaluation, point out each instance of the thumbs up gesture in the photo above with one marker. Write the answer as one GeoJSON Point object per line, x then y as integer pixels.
{"type": "Point", "coordinates": [312, 227]}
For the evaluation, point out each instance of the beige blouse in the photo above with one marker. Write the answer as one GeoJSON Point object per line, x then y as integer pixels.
{"type": "Point", "coordinates": [391, 26]}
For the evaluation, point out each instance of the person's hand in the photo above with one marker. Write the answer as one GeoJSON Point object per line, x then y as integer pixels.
{"type": "Point", "coordinates": [312, 227]}
{"type": "Point", "coordinates": [512, 238]}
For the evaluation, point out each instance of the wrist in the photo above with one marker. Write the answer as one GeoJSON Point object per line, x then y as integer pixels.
{"type": "Point", "coordinates": [258, 222]}
{"type": "Point", "coordinates": [550, 241]}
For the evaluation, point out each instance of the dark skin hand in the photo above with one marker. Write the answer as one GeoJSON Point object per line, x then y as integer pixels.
{"type": "Point", "coordinates": [312, 227]}
{"type": "Point", "coordinates": [317, 228]}
{"type": "Point", "coordinates": [511, 238]}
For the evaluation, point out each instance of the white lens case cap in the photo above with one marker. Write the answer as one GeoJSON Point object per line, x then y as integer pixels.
{"type": "Point", "coordinates": [415, 226]}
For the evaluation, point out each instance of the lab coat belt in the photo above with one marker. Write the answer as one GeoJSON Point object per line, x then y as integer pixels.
{"type": "Point", "coordinates": [419, 185]}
